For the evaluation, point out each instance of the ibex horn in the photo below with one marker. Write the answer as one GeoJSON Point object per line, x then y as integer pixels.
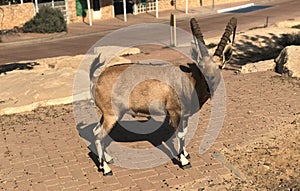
{"type": "Point", "coordinates": [196, 30]}
{"type": "Point", "coordinates": [231, 27]}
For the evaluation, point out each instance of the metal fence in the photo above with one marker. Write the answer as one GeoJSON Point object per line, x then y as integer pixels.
{"type": "Point", "coordinates": [11, 2]}
{"type": "Point", "coordinates": [142, 7]}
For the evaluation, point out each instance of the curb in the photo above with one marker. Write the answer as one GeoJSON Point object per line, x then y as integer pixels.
{"type": "Point", "coordinates": [235, 8]}
{"type": "Point", "coordinates": [36, 40]}
{"type": "Point", "coordinates": [52, 102]}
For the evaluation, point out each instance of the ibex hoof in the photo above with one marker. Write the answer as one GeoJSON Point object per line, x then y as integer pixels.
{"type": "Point", "coordinates": [187, 166]}
{"type": "Point", "coordinates": [188, 156]}
{"type": "Point", "coordinates": [110, 173]}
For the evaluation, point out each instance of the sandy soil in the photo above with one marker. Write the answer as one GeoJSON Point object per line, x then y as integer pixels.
{"type": "Point", "coordinates": [271, 162]}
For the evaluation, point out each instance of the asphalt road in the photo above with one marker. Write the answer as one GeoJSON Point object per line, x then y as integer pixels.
{"type": "Point", "coordinates": [211, 25]}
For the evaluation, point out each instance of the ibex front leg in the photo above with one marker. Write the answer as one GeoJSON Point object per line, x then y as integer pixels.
{"type": "Point", "coordinates": [183, 155]}
{"type": "Point", "coordinates": [100, 133]}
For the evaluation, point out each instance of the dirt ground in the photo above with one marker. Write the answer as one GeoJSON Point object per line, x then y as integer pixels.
{"type": "Point", "coordinates": [270, 162]}
{"type": "Point", "coordinates": [257, 149]}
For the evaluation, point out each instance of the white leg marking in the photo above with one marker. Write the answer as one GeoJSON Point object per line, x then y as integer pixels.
{"type": "Point", "coordinates": [106, 168]}
{"type": "Point", "coordinates": [107, 157]}
{"type": "Point", "coordinates": [184, 152]}
{"type": "Point", "coordinates": [97, 129]}
{"type": "Point", "coordinates": [99, 148]}
{"type": "Point", "coordinates": [183, 160]}
{"type": "Point", "coordinates": [183, 133]}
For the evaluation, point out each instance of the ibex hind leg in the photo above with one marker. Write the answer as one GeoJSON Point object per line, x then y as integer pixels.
{"type": "Point", "coordinates": [183, 155]}
{"type": "Point", "coordinates": [108, 158]}
{"type": "Point", "coordinates": [108, 124]}
{"type": "Point", "coordinates": [180, 123]}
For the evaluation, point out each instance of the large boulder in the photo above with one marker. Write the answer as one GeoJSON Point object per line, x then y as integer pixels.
{"type": "Point", "coordinates": [288, 61]}
{"type": "Point", "coordinates": [261, 66]}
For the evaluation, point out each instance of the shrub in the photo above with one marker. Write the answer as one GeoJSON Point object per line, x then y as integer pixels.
{"type": "Point", "coordinates": [48, 20]}
{"type": "Point", "coordinates": [290, 39]}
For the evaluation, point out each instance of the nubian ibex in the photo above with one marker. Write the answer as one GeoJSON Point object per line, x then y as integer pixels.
{"type": "Point", "coordinates": [180, 95]}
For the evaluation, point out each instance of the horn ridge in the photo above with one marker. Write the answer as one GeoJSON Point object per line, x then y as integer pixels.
{"type": "Point", "coordinates": [230, 28]}
{"type": "Point", "coordinates": [196, 30]}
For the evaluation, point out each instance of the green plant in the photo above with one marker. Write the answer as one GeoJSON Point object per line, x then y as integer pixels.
{"type": "Point", "coordinates": [48, 20]}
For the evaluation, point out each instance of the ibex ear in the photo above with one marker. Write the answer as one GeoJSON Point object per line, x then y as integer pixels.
{"type": "Point", "coordinates": [227, 55]}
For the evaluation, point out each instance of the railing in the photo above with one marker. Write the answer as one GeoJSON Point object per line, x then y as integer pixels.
{"type": "Point", "coordinates": [144, 7]}
{"type": "Point", "coordinates": [11, 2]}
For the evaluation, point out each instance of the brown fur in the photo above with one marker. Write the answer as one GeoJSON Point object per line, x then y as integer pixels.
{"type": "Point", "coordinates": [146, 93]}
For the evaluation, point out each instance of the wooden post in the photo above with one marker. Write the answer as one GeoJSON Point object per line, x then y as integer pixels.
{"type": "Point", "coordinates": [124, 10]}
{"type": "Point", "coordinates": [171, 29]}
{"type": "Point", "coordinates": [135, 7]}
{"type": "Point", "coordinates": [90, 13]}
{"type": "Point", "coordinates": [267, 21]}
{"type": "Point", "coordinates": [175, 36]}
{"type": "Point", "coordinates": [173, 40]}
{"type": "Point", "coordinates": [186, 6]}
{"type": "Point", "coordinates": [156, 8]}
{"type": "Point", "coordinates": [36, 6]}
{"type": "Point", "coordinates": [67, 11]}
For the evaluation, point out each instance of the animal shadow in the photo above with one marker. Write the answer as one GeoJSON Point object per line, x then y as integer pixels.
{"type": "Point", "coordinates": [17, 66]}
{"type": "Point", "coordinates": [164, 134]}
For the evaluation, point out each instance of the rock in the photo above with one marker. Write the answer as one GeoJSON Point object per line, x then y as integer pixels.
{"type": "Point", "coordinates": [289, 23]}
{"type": "Point", "coordinates": [288, 61]}
{"type": "Point", "coordinates": [130, 51]}
{"type": "Point", "coordinates": [116, 51]}
{"type": "Point", "coordinates": [261, 66]}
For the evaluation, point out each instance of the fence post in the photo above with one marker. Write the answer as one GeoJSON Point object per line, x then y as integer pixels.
{"type": "Point", "coordinates": [124, 10]}
{"type": "Point", "coordinates": [173, 39]}
{"type": "Point", "coordinates": [156, 8]}
{"type": "Point", "coordinates": [36, 6]}
{"type": "Point", "coordinates": [267, 21]}
{"type": "Point", "coordinates": [67, 11]}
{"type": "Point", "coordinates": [90, 12]}
{"type": "Point", "coordinates": [175, 35]}
{"type": "Point", "coordinates": [186, 6]}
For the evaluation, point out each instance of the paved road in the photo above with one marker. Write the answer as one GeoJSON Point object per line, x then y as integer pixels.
{"type": "Point", "coordinates": [212, 25]}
